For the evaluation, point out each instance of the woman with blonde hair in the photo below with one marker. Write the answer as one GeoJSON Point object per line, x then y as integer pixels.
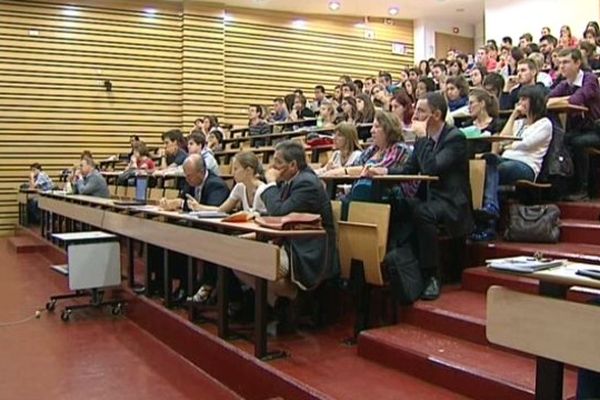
{"type": "Point", "coordinates": [347, 148]}
{"type": "Point", "coordinates": [328, 115]}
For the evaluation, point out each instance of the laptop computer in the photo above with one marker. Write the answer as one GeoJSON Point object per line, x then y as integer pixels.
{"type": "Point", "coordinates": [141, 191]}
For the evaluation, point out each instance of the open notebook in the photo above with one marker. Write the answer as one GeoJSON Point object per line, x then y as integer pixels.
{"type": "Point", "coordinates": [523, 264]}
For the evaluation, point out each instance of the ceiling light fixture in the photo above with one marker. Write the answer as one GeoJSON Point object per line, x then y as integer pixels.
{"type": "Point", "coordinates": [393, 11]}
{"type": "Point", "coordinates": [299, 24]}
{"type": "Point", "coordinates": [70, 11]}
{"type": "Point", "coordinates": [334, 5]}
{"type": "Point", "coordinates": [150, 11]}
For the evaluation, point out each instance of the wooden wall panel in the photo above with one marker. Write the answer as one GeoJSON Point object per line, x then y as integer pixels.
{"type": "Point", "coordinates": [266, 57]}
{"type": "Point", "coordinates": [184, 62]}
{"type": "Point", "coordinates": [53, 103]}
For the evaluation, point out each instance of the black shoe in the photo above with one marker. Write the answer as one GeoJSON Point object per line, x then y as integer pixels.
{"type": "Point", "coordinates": [179, 296]}
{"type": "Point", "coordinates": [432, 291]}
{"type": "Point", "coordinates": [284, 314]}
{"type": "Point", "coordinates": [579, 196]}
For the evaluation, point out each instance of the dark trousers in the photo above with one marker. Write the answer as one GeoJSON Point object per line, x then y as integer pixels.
{"type": "Point", "coordinates": [426, 216]}
{"type": "Point", "coordinates": [577, 143]}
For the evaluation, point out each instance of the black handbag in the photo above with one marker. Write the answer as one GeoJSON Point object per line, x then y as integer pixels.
{"type": "Point", "coordinates": [404, 274]}
{"type": "Point", "coordinates": [535, 224]}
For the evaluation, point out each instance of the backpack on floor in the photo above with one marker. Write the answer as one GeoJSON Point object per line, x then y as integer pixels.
{"type": "Point", "coordinates": [404, 274]}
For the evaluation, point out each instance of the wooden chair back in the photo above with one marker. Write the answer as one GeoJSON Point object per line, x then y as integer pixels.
{"type": "Point", "coordinates": [364, 237]}
{"type": "Point", "coordinates": [556, 329]}
{"type": "Point", "coordinates": [477, 179]}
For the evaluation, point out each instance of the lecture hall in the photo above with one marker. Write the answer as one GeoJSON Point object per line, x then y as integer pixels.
{"type": "Point", "coordinates": [271, 200]}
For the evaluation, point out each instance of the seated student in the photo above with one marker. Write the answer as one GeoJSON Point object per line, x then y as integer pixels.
{"type": "Point", "coordinates": [381, 99]}
{"type": "Point", "coordinates": [306, 262]}
{"type": "Point", "coordinates": [209, 123]}
{"type": "Point", "coordinates": [350, 110]}
{"type": "Point", "coordinates": [197, 145]}
{"type": "Point", "coordinates": [133, 140]}
{"type": "Point", "coordinates": [520, 159]}
{"type": "Point", "coordinates": [173, 155]}
{"type": "Point", "coordinates": [385, 80]}
{"type": "Point", "coordinates": [402, 107]}
{"type": "Point", "coordinates": [365, 109]}
{"type": "Point", "coordinates": [327, 115]}
{"type": "Point", "coordinates": [439, 74]}
{"type": "Point", "coordinates": [247, 173]}
{"type": "Point", "coordinates": [566, 40]}
{"type": "Point", "coordinates": [524, 40]}
{"type": "Point", "coordinates": [457, 93]}
{"type": "Point", "coordinates": [214, 141]}
{"type": "Point", "coordinates": [38, 179]}
{"type": "Point", "coordinates": [202, 187]}
{"type": "Point", "coordinates": [493, 84]}
{"type": "Point", "coordinates": [320, 97]}
{"type": "Point", "coordinates": [348, 89]}
{"type": "Point", "coordinates": [257, 125]}
{"type": "Point", "coordinates": [424, 86]}
{"type": "Point", "coordinates": [370, 82]}
{"type": "Point", "coordinates": [88, 181]}
{"type": "Point", "coordinates": [280, 110]}
{"type": "Point", "coordinates": [198, 122]}
{"type": "Point", "coordinates": [477, 76]}
{"type": "Point", "coordinates": [526, 76]}
{"type": "Point", "coordinates": [410, 86]}
{"type": "Point", "coordinates": [442, 153]}
{"type": "Point", "coordinates": [300, 111]}
{"type": "Point", "coordinates": [139, 161]}
{"type": "Point", "coordinates": [548, 44]}
{"type": "Point", "coordinates": [455, 69]}
{"type": "Point", "coordinates": [347, 149]}
{"type": "Point", "coordinates": [483, 109]}
{"type": "Point", "coordinates": [579, 88]}
{"type": "Point", "coordinates": [141, 158]}
{"type": "Point", "coordinates": [542, 77]}
{"type": "Point", "coordinates": [588, 51]}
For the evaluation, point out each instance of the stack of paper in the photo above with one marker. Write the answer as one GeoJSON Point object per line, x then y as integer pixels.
{"type": "Point", "coordinates": [524, 264]}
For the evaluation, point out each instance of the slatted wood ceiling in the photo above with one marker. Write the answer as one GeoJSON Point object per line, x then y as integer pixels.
{"type": "Point", "coordinates": [167, 70]}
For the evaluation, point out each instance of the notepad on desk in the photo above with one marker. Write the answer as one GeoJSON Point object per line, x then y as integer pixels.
{"type": "Point", "coordinates": [524, 264]}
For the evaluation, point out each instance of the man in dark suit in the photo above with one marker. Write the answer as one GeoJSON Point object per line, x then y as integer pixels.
{"type": "Point", "coordinates": [442, 153]}
{"type": "Point", "coordinates": [201, 187]}
{"type": "Point", "coordinates": [298, 189]}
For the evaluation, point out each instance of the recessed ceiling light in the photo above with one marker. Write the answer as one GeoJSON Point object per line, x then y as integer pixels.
{"type": "Point", "coordinates": [228, 17]}
{"type": "Point", "coordinates": [360, 25]}
{"type": "Point", "coordinates": [150, 11]}
{"type": "Point", "coordinates": [334, 5]}
{"type": "Point", "coordinates": [393, 11]}
{"type": "Point", "coordinates": [299, 24]}
{"type": "Point", "coordinates": [70, 11]}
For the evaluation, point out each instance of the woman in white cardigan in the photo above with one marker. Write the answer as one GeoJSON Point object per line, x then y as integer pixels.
{"type": "Point", "coordinates": [520, 159]}
{"type": "Point", "coordinates": [347, 148]}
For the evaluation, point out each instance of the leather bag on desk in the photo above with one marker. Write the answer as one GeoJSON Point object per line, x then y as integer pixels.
{"type": "Point", "coordinates": [290, 222]}
{"type": "Point", "coordinates": [536, 224]}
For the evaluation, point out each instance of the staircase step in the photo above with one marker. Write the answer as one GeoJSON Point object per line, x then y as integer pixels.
{"type": "Point", "coordinates": [580, 231]}
{"type": "Point", "coordinates": [479, 279]}
{"type": "Point", "coordinates": [580, 210]}
{"type": "Point", "coordinates": [460, 314]}
{"type": "Point", "coordinates": [471, 369]}
{"type": "Point", "coordinates": [26, 244]}
{"type": "Point", "coordinates": [579, 252]}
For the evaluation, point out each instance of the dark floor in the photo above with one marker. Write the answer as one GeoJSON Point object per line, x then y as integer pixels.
{"type": "Point", "coordinates": [95, 356]}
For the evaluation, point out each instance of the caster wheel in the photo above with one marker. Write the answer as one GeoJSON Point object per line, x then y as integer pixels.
{"type": "Point", "coordinates": [50, 305]}
{"type": "Point", "coordinates": [117, 309]}
{"type": "Point", "coordinates": [65, 315]}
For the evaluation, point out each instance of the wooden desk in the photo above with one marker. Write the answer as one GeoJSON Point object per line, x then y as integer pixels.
{"type": "Point", "coordinates": [302, 122]}
{"type": "Point", "coordinates": [564, 110]}
{"type": "Point", "coordinates": [555, 283]}
{"type": "Point", "coordinates": [134, 224]}
{"type": "Point", "coordinates": [494, 139]}
{"type": "Point", "coordinates": [333, 181]}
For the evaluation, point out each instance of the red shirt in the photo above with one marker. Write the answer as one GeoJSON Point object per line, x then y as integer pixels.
{"type": "Point", "coordinates": [146, 164]}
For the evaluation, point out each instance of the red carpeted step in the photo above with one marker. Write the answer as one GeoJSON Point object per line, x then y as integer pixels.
{"type": "Point", "coordinates": [580, 231]}
{"type": "Point", "coordinates": [458, 313]}
{"type": "Point", "coordinates": [25, 244]}
{"type": "Point", "coordinates": [582, 210]}
{"type": "Point", "coordinates": [471, 369]}
{"type": "Point", "coordinates": [585, 253]}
